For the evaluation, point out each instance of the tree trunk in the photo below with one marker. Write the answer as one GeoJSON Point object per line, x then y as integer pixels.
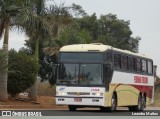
{"type": "Point", "coordinates": [34, 89]}
{"type": "Point", "coordinates": [4, 74]}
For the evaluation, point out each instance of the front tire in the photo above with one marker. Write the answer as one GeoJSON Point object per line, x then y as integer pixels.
{"type": "Point", "coordinates": [113, 104]}
{"type": "Point", "coordinates": [72, 108]}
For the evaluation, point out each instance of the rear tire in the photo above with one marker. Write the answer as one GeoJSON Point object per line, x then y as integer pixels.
{"type": "Point", "coordinates": [143, 102]}
{"type": "Point", "coordinates": [72, 108]}
{"type": "Point", "coordinates": [139, 106]}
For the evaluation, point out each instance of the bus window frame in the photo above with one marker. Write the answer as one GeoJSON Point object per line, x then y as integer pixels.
{"type": "Point", "coordinates": [135, 70]}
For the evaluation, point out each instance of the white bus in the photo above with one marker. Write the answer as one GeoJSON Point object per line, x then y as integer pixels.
{"type": "Point", "coordinates": [97, 75]}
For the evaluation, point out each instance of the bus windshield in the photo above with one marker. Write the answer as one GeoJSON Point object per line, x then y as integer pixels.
{"type": "Point", "coordinates": [84, 74]}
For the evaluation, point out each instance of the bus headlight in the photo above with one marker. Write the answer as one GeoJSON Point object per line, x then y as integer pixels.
{"type": "Point", "coordinates": [61, 93]}
{"type": "Point", "coordinates": [97, 94]}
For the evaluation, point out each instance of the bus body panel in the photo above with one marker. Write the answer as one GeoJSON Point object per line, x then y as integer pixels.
{"type": "Point", "coordinates": [128, 86]}
{"type": "Point", "coordinates": [89, 96]}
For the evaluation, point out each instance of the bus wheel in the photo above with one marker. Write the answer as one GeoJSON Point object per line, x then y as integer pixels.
{"type": "Point", "coordinates": [113, 103]}
{"type": "Point", "coordinates": [143, 103]}
{"type": "Point", "coordinates": [139, 106]}
{"type": "Point", "coordinates": [103, 109]}
{"type": "Point", "coordinates": [72, 108]}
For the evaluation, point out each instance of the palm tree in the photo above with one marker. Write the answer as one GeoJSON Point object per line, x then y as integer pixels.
{"type": "Point", "coordinates": [8, 10]}
{"type": "Point", "coordinates": [42, 23]}
{"type": "Point", "coordinates": [37, 28]}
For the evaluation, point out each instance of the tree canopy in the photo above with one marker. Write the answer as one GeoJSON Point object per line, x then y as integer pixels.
{"type": "Point", "coordinates": [107, 29]}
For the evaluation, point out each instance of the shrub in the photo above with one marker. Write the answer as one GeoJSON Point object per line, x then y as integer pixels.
{"type": "Point", "coordinates": [22, 72]}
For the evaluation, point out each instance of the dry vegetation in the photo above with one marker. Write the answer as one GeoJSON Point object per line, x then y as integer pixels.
{"type": "Point", "coordinates": [46, 100]}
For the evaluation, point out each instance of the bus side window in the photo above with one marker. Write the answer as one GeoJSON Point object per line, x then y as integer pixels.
{"type": "Point", "coordinates": [131, 65]}
{"type": "Point", "coordinates": [124, 62]}
{"type": "Point", "coordinates": [138, 65]}
{"type": "Point", "coordinates": [109, 56]}
{"type": "Point", "coordinates": [144, 66]}
{"type": "Point", "coordinates": [150, 67]}
{"type": "Point", "coordinates": [117, 61]}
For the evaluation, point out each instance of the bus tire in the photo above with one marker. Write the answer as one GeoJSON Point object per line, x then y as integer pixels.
{"type": "Point", "coordinates": [139, 106]}
{"type": "Point", "coordinates": [72, 108]}
{"type": "Point", "coordinates": [144, 100]}
{"type": "Point", "coordinates": [113, 103]}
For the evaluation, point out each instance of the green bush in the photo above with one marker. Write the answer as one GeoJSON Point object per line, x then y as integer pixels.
{"type": "Point", "coordinates": [22, 72]}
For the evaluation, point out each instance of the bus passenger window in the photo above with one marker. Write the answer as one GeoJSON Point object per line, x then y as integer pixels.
{"type": "Point", "coordinates": [150, 68]}
{"type": "Point", "coordinates": [117, 61]}
{"type": "Point", "coordinates": [109, 56]}
{"type": "Point", "coordinates": [144, 66]}
{"type": "Point", "coordinates": [131, 63]}
{"type": "Point", "coordinates": [124, 62]}
{"type": "Point", "coordinates": [138, 65]}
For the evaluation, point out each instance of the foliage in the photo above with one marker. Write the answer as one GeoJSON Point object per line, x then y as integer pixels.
{"type": "Point", "coordinates": [51, 22]}
{"type": "Point", "coordinates": [65, 28]}
{"type": "Point", "coordinates": [110, 30]}
{"type": "Point", "coordinates": [22, 72]}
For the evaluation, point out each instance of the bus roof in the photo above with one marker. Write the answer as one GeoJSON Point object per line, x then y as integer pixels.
{"type": "Point", "coordinates": [96, 47]}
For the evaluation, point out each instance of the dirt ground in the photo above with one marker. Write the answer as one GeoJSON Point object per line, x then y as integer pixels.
{"type": "Point", "coordinates": [43, 102]}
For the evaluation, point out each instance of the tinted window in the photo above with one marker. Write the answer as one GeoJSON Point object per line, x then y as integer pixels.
{"type": "Point", "coordinates": [117, 61]}
{"type": "Point", "coordinates": [95, 57]}
{"type": "Point", "coordinates": [138, 65]}
{"type": "Point", "coordinates": [124, 62]}
{"type": "Point", "coordinates": [150, 67]}
{"type": "Point", "coordinates": [144, 66]}
{"type": "Point", "coordinates": [109, 56]}
{"type": "Point", "coordinates": [131, 65]}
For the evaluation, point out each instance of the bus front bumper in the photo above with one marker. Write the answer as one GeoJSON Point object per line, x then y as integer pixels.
{"type": "Point", "coordinates": [89, 101]}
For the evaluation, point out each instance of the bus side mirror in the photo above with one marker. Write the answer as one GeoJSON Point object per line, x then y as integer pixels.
{"type": "Point", "coordinates": [53, 78]}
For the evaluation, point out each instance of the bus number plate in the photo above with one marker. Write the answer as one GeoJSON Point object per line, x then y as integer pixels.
{"type": "Point", "coordinates": [77, 99]}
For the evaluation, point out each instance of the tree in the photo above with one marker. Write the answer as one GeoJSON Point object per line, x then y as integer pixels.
{"type": "Point", "coordinates": [22, 72]}
{"type": "Point", "coordinates": [107, 30]}
{"type": "Point", "coordinates": [110, 30]}
{"type": "Point", "coordinates": [53, 18]}
{"type": "Point", "coordinates": [8, 11]}
{"type": "Point", "coordinates": [117, 33]}
{"type": "Point", "coordinates": [90, 24]}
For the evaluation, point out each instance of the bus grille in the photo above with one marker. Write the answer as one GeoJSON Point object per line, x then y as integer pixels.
{"type": "Point", "coordinates": [78, 93]}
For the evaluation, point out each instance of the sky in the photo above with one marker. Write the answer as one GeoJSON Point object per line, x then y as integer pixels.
{"type": "Point", "coordinates": [143, 15]}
